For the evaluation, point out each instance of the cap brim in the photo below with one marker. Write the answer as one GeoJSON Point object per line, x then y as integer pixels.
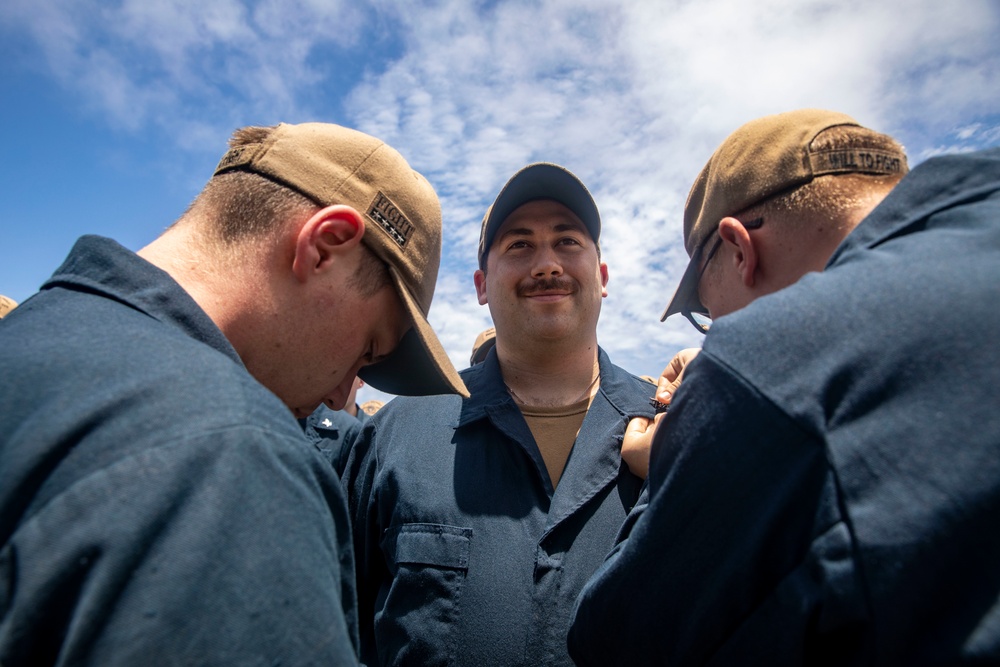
{"type": "Point", "coordinates": [418, 366]}
{"type": "Point", "coordinates": [686, 295]}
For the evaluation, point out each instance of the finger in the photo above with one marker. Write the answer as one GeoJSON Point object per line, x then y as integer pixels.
{"type": "Point", "coordinates": [673, 374]}
{"type": "Point", "coordinates": [680, 361]}
{"type": "Point", "coordinates": [638, 426]}
{"type": "Point", "coordinates": [667, 387]}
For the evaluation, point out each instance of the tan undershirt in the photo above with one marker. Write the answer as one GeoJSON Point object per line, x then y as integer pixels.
{"type": "Point", "coordinates": [555, 431]}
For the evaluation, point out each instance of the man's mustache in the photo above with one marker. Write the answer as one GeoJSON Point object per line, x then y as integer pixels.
{"type": "Point", "coordinates": [546, 285]}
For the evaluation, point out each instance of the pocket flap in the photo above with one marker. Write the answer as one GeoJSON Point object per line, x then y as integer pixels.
{"type": "Point", "coordinates": [428, 544]}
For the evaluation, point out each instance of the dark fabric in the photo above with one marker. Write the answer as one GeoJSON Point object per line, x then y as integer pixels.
{"type": "Point", "coordinates": [333, 432]}
{"type": "Point", "coordinates": [826, 489]}
{"type": "Point", "coordinates": [157, 504]}
{"type": "Point", "coordinates": [466, 556]}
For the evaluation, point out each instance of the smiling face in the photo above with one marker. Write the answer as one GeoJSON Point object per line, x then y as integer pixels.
{"type": "Point", "coordinates": [544, 280]}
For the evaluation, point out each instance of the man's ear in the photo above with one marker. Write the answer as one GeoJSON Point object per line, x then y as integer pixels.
{"type": "Point", "coordinates": [604, 279]}
{"type": "Point", "coordinates": [479, 277]}
{"type": "Point", "coordinates": [745, 254]}
{"type": "Point", "coordinates": [329, 233]}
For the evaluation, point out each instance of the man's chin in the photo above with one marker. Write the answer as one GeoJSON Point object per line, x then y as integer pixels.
{"type": "Point", "coordinates": [337, 403]}
{"type": "Point", "coordinates": [334, 403]}
{"type": "Point", "coordinates": [302, 413]}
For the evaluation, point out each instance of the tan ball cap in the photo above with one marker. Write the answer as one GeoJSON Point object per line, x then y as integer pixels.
{"type": "Point", "coordinates": [481, 347]}
{"type": "Point", "coordinates": [331, 165]}
{"type": "Point", "coordinates": [763, 158]}
{"type": "Point", "coordinates": [7, 304]}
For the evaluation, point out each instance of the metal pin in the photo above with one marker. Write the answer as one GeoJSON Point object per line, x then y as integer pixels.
{"type": "Point", "coordinates": [658, 406]}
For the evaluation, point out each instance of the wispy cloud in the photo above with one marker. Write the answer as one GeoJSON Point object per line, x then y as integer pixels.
{"type": "Point", "coordinates": [965, 139]}
{"type": "Point", "coordinates": [173, 64]}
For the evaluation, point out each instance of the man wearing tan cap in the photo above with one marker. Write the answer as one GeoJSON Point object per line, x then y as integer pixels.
{"type": "Point", "coordinates": [825, 488]}
{"type": "Point", "coordinates": [7, 304]}
{"type": "Point", "coordinates": [478, 520]}
{"type": "Point", "coordinates": [158, 500]}
{"type": "Point", "coordinates": [484, 342]}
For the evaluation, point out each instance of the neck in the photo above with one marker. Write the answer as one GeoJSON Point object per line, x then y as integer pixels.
{"type": "Point", "coordinates": [218, 286]}
{"type": "Point", "coordinates": [553, 381]}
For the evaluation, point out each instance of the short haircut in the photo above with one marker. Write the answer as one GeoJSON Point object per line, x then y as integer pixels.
{"type": "Point", "coordinates": [244, 206]}
{"type": "Point", "coordinates": [372, 274]}
{"type": "Point", "coordinates": [833, 195]}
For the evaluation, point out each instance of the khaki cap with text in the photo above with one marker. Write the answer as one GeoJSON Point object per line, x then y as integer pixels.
{"type": "Point", "coordinates": [763, 158]}
{"type": "Point", "coordinates": [331, 165]}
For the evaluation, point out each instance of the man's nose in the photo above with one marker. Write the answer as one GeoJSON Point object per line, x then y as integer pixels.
{"type": "Point", "coordinates": [546, 264]}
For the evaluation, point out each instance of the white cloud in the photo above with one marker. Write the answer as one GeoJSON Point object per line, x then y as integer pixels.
{"type": "Point", "coordinates": [173, 64]}
{"type": "Point", "coordinates": [964, 139]}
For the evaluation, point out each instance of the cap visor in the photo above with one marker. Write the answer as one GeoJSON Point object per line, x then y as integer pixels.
{"type": "Point", "coordinates": [418, 366]}
{"type": "Point", "coordinates": [686, 294]}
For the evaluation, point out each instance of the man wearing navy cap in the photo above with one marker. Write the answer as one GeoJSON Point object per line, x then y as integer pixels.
{"type": "Point", "coordinates": [477, 521]}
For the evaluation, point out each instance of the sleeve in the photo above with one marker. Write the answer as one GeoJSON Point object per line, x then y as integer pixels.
{"type": "Point", "coordinates": [737, 493]}
{"type": "Point", "coordinates": [227, 548]}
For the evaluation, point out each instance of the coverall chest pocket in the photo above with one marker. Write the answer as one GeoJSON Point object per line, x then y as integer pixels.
{"type": "Point", "coordinates": [428, 564]}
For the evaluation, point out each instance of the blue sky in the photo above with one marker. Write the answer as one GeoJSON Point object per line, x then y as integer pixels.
{"type": "Point", "coordinates": [117, 112]}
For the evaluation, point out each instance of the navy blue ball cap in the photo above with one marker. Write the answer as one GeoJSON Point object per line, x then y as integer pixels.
{"type": "Point", "coordinates": [542, 180]}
